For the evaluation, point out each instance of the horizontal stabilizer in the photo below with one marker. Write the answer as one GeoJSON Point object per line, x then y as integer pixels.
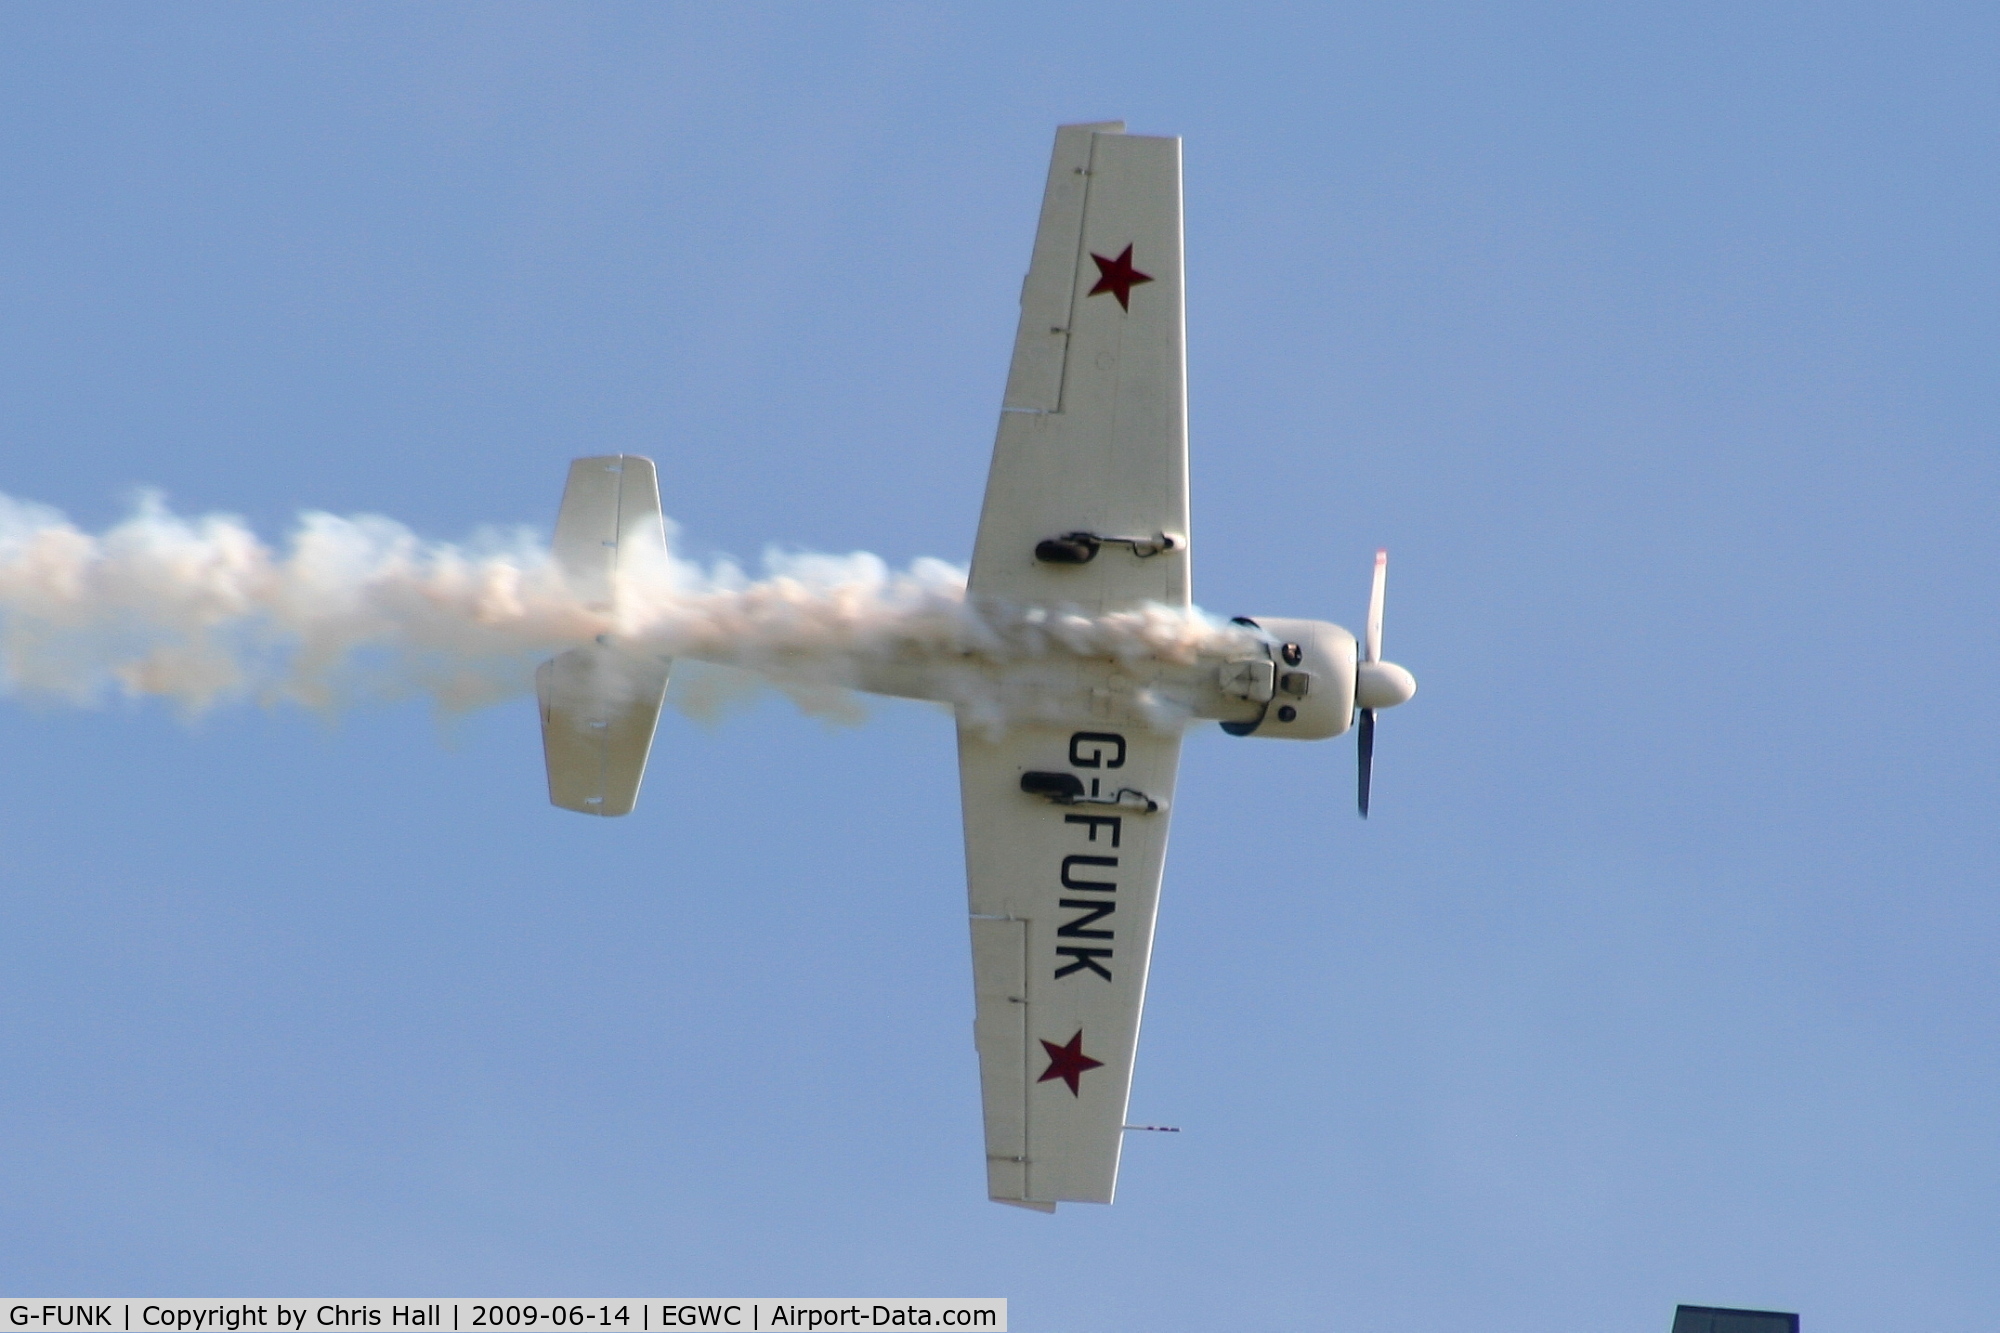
{"type": "Point", "coordinates": [599, 709]}
{"type": "Point", "coordinates": [600, 704]}
{"type": "Point", "coordinates": [1035, 1204]}
{"type": "Point", "coordinates": [609, 524]}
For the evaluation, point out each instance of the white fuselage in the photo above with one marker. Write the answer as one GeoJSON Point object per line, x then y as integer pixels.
{"type": "Point", "coordinates": [1283, 679]}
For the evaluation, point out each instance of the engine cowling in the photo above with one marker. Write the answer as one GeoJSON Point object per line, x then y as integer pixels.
{"type": "Point", "coordinates": [1308, 691]}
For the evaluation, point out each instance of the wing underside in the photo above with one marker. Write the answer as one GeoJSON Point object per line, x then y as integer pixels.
{"type": "Point", "coordinates": [1063, 892]}
{"type": "Point", "coordinates": [1063, 899]}
{"type": "Point", "coordinates": [1093, 433]}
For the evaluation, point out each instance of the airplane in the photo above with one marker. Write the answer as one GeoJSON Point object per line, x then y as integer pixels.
{"type": "Point", "coordinates": [1066, 815]}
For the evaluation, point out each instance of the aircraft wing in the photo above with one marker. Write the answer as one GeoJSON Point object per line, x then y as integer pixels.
{"type": "Point", "coordinates": [1063, 899]}
{"type": "Point", "coordinates": [1093, 440]}
{"type": "Point", "coordinates": [1093, 431]}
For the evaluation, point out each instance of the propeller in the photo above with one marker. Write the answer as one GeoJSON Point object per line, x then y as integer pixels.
{"type": "Point", "coordinates": [1366, 749]}
{"type": "Point", "coordinates": [1377, 684]}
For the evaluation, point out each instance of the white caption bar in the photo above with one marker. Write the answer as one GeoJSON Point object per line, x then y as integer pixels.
{"type": "Point", "coordinates": [623, 1315]}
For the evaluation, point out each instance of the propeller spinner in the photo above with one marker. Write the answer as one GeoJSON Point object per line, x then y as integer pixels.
{"type": "Point", "coordinates": [1377, 684]}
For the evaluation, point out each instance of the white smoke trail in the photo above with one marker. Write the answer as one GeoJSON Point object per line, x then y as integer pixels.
{"type": "Point", "coordinates": [201, 612]}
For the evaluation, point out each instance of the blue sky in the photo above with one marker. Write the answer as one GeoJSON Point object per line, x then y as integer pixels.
{"type": "Point", "coordinates": [1656, 343]}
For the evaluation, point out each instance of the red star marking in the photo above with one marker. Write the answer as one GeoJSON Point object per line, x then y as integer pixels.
{"type": "Point", "coordinates": [1067, 1062]}
{"type": "Point", "coordinates": [1118, 277]}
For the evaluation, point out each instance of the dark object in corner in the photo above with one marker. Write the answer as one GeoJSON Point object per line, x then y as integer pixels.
{"type": "Point", "coordinates": [1711, 1319]}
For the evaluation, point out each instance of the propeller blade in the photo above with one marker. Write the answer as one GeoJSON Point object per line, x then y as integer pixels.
{"type": "Point", "coordinates": [1365, 747]}
{"type": "Point", "coordinates": [1373, 651]}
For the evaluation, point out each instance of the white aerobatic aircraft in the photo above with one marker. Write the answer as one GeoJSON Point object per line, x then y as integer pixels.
{"type": "Point", "coordinates": [1066, 820]}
